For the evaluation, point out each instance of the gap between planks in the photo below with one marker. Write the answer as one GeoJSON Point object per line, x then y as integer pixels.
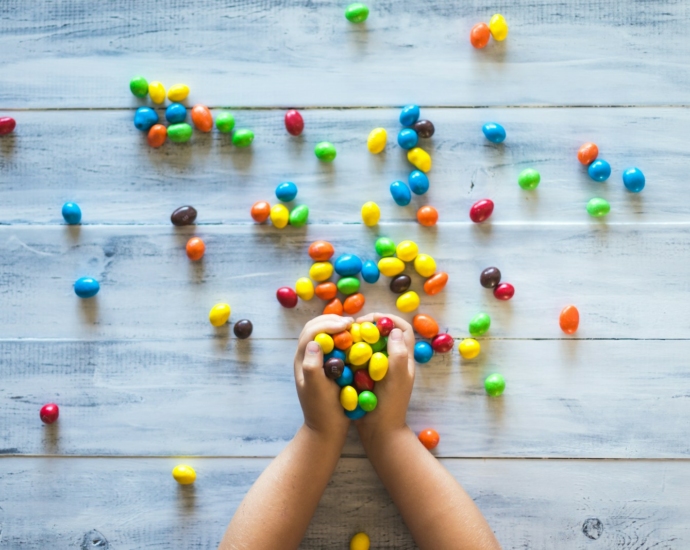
{"type": "Point", "coordinates": [345, 456]}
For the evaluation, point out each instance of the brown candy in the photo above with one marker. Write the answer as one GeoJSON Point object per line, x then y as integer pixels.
{"type": "Point", "coordinates": [400, 284]}
{"type": "Point", "coordinates": [334, 368]}
{"type": "Point", "coordinates": [490, 277]}
{"type": "Point", "coordinates": [424, 128]}
{"type": "Point", "coordinates": [243, 329]}
{"type": "Point", "coordinates": [184, 215]}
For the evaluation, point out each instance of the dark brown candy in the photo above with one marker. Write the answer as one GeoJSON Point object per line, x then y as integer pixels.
{"type": "Point", "coordinates": [334, 368]}
{"type": "Point", "coordinates": [243, 329]}
{"type": "Point", "coordinates": [184, 215]}
{"type": "Point", "coordinates": [400, 284]}
{"type": "Point", "coordinates": [424, 128]}
{"type": "Point", "coordinates": [490, 277]}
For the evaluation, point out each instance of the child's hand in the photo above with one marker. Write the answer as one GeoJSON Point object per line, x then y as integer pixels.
{"type": "Point", "coordinates": [318, 394]}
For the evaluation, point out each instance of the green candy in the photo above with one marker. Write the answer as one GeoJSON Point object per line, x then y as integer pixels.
{"type": "Point", "coordinates": [298, 216]}
{"type": "Point", "coordinates": [348, 285]}
{"type": "Point", "coordinates": [480, 324]}
{"type": "Point", "coordinates": [225, 122]}
{"type": "Point", "coordinates": [242, 138]}
{"type": "Point", "coordinates": [529, 179]}
{"type": "Point", "coordinates": [380, 345]}
{"type": "Point", "coordinates": [179, 133]}
{"type": "Point", "coordinates": [357, 12]}
{"type": "Point", "coordinates": [598, 207]}
{"type": "Point", "coordinates": [494, 385]}
{"type": "Point", "coordinates": [325, 151]}
{"type": "Point", "coordinates": [385, 247]}
{"type": "Point", "coordinates": [139, 86]}
{"type": "Point", "coordinates": [367, 400]}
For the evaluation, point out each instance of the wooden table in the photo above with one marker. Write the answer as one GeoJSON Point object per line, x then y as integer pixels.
{"type": "Point", "coordinates": [588, 446]}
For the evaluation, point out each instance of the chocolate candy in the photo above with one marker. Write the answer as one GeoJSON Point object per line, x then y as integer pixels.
{"type": "Point", "coordinates": [588, 153]}
{"type": "Point", "coordinates": [494, 132]}
{"type": "Point", "coordinates": [242, 138]}
{"type": "Point", "coordinates": [261, 210]}
{"type": "Point", "coordinates": [407, 138]}
{"type": "Point", "coordinates": [599, 170]}
{"type": "Point", "coordinates": [490, 277]}
{"type": "Point", "coordinates": [425, 325]}
{"type": "Point", "coordinates": [569, 319]}
{"type": "Point", "coordinates": [348, 265]}
{"type": "Point", "coordinates": [385, 325]}
{"type": "Point", "coordinates": [363, 381]}
{"type": "Point", "coordinates": [429, 438]}
{"type": "Point", "coordinates": [370, 272]}
{"type": "Point", "coordinates": [357, 12]}
{"type": "Point", "coordinates": [504, 291]}
{"type": "Point", "coordinates": [225, 122]}
{"type": "Point", "coordinates": [71, 213]}
{"type": "Point", "coordinates": [139, 86]}
{"type": "Point", "coordinates": [598, 207]}
{"type": "Point", "coordinates": [49, 413]}
{"type": "Point", "coordinates": [423, 352]}
{"type": "Point", "coordinates": [294, 123]}
{"type": "Point", "coordinates": [321, 251]}
{"type": "Point", "coordinates": [286, 191]}
{"type": "Point", "coordinates": [528, 179]}
{"type": "Point", "coordinates": [633, 179]}
{"type": "Point", "coordinates": [424, 128]}
{"type": "Point", "coordinates": [86, 287]}
{"type": "Point", "coordinates": [400, 193]}
{"type": "Point", "coordinates": [494, 385]}
{"type": "Point", "coordinates": [243, 329]}
{"type": "Point", "coordinates": [325, 151]}
{"type": "Point", "coordinates": [157, 135]}
{"type": "Point", "coordinates": [409, 115]}
{"type": "Point", "coordinates": [442, 343]}
{"type": "Point", "coordinates": [400, 284]}
{"type": "Point", "coordinates": [177, 92]}
{"type": "Point", "coordinates": [418, 182]}
{"type": "Point", "coordinates": [334, 368]}
{"type": "Point", "coordinates": [286, 296]}
{"type": "Point", "coordinates": [144, 118]}
{"type": "Point", "coordinates": [7, 125]}
{"type": "Point", "coordinates": [175, 113]}
{"type": "Point", "coordinates": [479, 35]}
{"type": "Point", "coordinates": [481, 210]}
{"type": "Point", "coordinates": [434, 285]}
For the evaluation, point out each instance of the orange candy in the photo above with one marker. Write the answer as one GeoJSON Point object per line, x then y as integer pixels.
{"type": "Point", "coordinates": [569, 319]}
{"type": "Point", "coordinates": [321, 251]}
{"type": "Point", "coordinates": [342, 340]}
{"type": "Point", "coordinates": [261, 211]}
{"type": "Point", "coordinates": [427, 216]}
{"type": "Point", "coordinates": [202, 119]}
{"type": "Point", "coordinates": [353, 303]}
{"type": "Point", "coordinates": [479, 35]}
{"type": "Point", "coordinates": [436, 283]}
{"type": "Point", "coordinates": [326, 291]}
{"type": "Point", "coordinates": [335, 306]}
{"type": "Point", "coordinates": [157, 135]}
{"type": "Point", "coordinates": [195, 249]}
{"type": "Point", "coordinates": [425, 325]}
{"type": "Point", "coordinates": [429, 438]}
{"type": "Point", "coordinates": [588, 153]}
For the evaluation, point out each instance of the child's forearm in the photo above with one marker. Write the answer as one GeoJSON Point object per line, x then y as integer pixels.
{"type": "Point", "coordinates": [436, 509]}
{"type": "Point", "coordinates": [278, 508]}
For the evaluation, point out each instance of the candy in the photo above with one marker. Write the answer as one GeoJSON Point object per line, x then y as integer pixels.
{"type": "Point", "coordinates": [334, 307]}
{"type": "Point", "coordinates": [490, 277]}
{"type": "Point", "coordinates": [325, 151]}
{"type": "Point", "coordinates": [480, 324]}
{"type": "Point", "coordinates": [294, 123]}
{"type": "Point", "coordinates": [139, 86]}
{"type": "Point", "coordinates": [346, 378]}
{"type": "Point", "coordinates": [286, 296]}
{"type": "Point", "coordinates": [71, 213]}
{"type": "Point", "coordinates": [385, 325]}
{"type": "Point", "coordinates": [498, 27]}
{"type": "Point", "coordinates": [481, 210]}
{"type": "Point", "coordinates": [363, 381]}
{"type": "Point", "coordinates": [419, 158]}
{"type": "Point", "coordinates": [321, 251]}
{"type": "Point", "coordinates": [434, 285]}
{"type": "Point", "coordinates": [356, 414]}
{"type": "Point", "coordinates": [418, 181]}
{"type": "Point", "coordinates": [180, 133]}
{"type": "Point", "coordinates": [384, 247]}
{"type": "Point", "coordinates": [370, 334]}
{"type": "Point", "coordinates": [442, 343]}
{"type": "Point", "coordinates": [175, 113]}
{"type": "Point", "coordinates": [144, 118]}
{"type": "Point", "coordinates": [325, 341]}
{"type": "Point", "coordinates": [424, 128]}
{"type": "Point", "coordinates": [243, 329]}
{"type": "Point", "coordinates": [183, 474]}
{"type": "Point", "coordinates": [407, 251]}
{"type": "Point", "coordinates": [409, 115]}
{"type": "Point", "coordinates": [219, 314]}
{"type": "Point", "coordinates": [355, 332]}
{"type": "Point", "coordinates": [360, 542]}
{"type": "Point", "coordinates": [429, 438]}
{"type": "Point", "coordinates": [599, 170]}
{"type": "Point", "coordinates": [494, 132]}
{"type": "Point", "coordinates": [427, 216]}
{"type": "Point", "coordinates": [370, 213]}
{"type": "Point", "coordinates": [86, 287]}
{"type": "Point", "coordinates": [242, 138]}
{"type": "Point", "coordinates": [587, 153]}
{"type": "Point", "coordinates": [378, 366]}
{"type": "Point", "coordinates": [340, 354]}
{"type": "Point", "coordinates": [360, 353]}
{"type": "Point", "coordinates": [379, 345]}
{"type": "Point", "coordinates": [633, 179]}
{"type": "Point", "coordinates": [225, 122]}
{"type": "Point", "coordinates": [400, 284]}
{"type": "Point", "coordinates": [504, 291]}
{"type": "Point", "coordinates": [407, 138]}
{"type": "Point", "coordinates": [367, 399]}
{"type": "Point", "coordinates": [407, 302]}
{"type": "Point", "coordinates": [479, 35]}
{"type": "Point", "coordinates": [529, 179]}
{"type": "Point", "coordinates": [304, 288]}
{"type": "Point", "coordinates": [425, 265]}
{"type": "Point", "coordinates": [326, 291]}
{"type": "Point", "coordinates": [157, 92]}
{"type": "Point", "coordinates": [342, 340]}
{"type": "Point", "coordinates": [376, 142]}
{"type": "Point", "coordinates": [7, 125]}
{"type": "Point", "coordinates": [347, 265]}
{"type": "Point", "coordinates": [261, 211]}
{"type": "Point", "coordinates": [425, 325]}
{"type": "Point", "coordinates": [195, 249]}
{"type": "Point", "coordinates": [184, 215]}
{"type": "Point", "coordinates": [286, 191]}
{"type": "Point", "coordinates": [321, 271]}
{"type": "Point", "coordinates": [569, 319]}
{"type": "Point", "coordinates": [334, 368]}
{"type": "Point", "coordinates": [357, 13]}
{"type": "Point", "coordinates": [469, 348]}
{"type": "Point", "coordinates": [494, 385]}
{"type": "Point", "coordinates": [400, 193]}
{"type": "Point", "coordinates": [598, 207]}
{"type": "Point", "coordinates": [157, 135]}
{"type": "Point", "coordinates": [280, 216]}
{"type": "Point", "coordinates": [390, 267]}
{"type": "Point", "coordinates": [299, 215]}
{"type": "Point", "coordinates": [177, 92]}
{"type": "Point", "coordinates": [423, 352]}
{"type": "Point", "coordinates": [348, 285]}
{"type": "Point", "coordinates": [49, 413]}
{"type": "Point", "coordinates": [202, 118]}
{"type": "Point", "coordinates": [370, 272]}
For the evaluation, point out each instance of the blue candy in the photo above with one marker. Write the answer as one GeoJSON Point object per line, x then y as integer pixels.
{"type": "Point", "coordinates": [401, 193]}
{"type": "Point", "coordinates": [419, 182]}
{"type": "Point", "coordinates": [407, 138]}
{"type": "Point", "coordinates": [176, 113]}
{"type": "Point", "coordinates": [346, 378]}
{"type": "Point", "coordinates": [144, 118]}
{"type": "Point", "coordinates": [348, 265]}
{"type": "Point", "coordinates": [633, 179]}
{"type": "Point", "coordinates": [71, 212]}
{"type": "Point", "coordinates": [370, 272]}
{"type": "Point", "coordinates": [599, 170]}
{"type": "Point", "coordinates": [358, 413]}
{"type": "Point", "coordinates": [286, 191]}
{"type": "Point", "coordinates": [423, 352]}
{"type": "Point", "coordinates": [335, 353]}
{"type": "Point", "coordinates": [494, 132]}
{"type": "Point", "coordinates": [409, 115]}
{"type": "Point", "coordinates": [86, 287]}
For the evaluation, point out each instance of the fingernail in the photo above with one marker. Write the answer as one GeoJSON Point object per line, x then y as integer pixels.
{"type": "Point", "coordinates": [396, 334]}
{"type": "Point", "coordinates": [313, 347]}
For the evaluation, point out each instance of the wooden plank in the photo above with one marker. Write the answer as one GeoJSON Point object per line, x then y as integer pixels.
{"type": "Point", "coordinates": [134, 503]}
{"type": "Point", "coordinates": [285, 52]}
{"type": "Point", "coordinates": [99, 160]}
{"type": "Point", "coordinates": [594, 399]}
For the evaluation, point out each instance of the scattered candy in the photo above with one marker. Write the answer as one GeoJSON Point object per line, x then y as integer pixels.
{"type": "Point", "coordinates": [157, 92]}
{"type": "Point", "coordinates": [494, 385]}
{"type": "Point", "coordinates": [177, 92]}
{"type": "Point", "coordinates": [304, 288]}
{"type": "Point", "coordinates": [424, 128]}
{"type": "Point", "coordinates": [185, 215]}
{"type": "Point", "coordinates": [183, 474]}
{"type": "Point", "coordinates": [348, 285]}
{"type": "Point", "coordinates": [370, 213]}
{"type": "Point", "coordinates": [357, 13]}
{"type": "Point", "coordinates": [598, 207]}
{"type": "Point", "coordinates": [242, 138]}
{"type": "Point", "coordinates": [175, 113]}
{"type": "Point", "coordinates": [423, 352]}
{"type": "Point", "coordinates": [325, 341]}
{"type": "Point", "coordinates": [494, 132]}
{"type": "Point", "coordinates": [144, 118]}
{"type": "Point", "coordinates": [427, 216]}
{"type": "Point", "coordinates": [334, 368]}
{"type": "Point", "coordinates": [321, 271]}
{"type": "Point", "coordinates": [325, 151]}
{"type": "Point", "coordinates": [407, 251]}
{"type": "Point", "coordinates": [409, 115]}
{"type": "Point", "coordinates": [400, 193]}
{"type": "Point", "coordinates": [367, 400]}
{"type": "Point", "coordinates": [479, 325]}
{"type": "Point", "coordinates": [219, 314]}
{"type": "Point", "coordinates": [425, 265]}
{"type": "Point", "coordinates": [348, 265]}
{"type": "Point", "coordinates": [529, 179]}
{"type": "Point", "coordinates": [490, 277]}
{"type": "Point", "coordinates": [588, 153]}
{"type": "Point", "coordinates": [243, 329]}
{"type": "Point", "coordinates": [299, 215]}
{"type": "Point", "coordinates": [202, 118]}
{"type": "Point", "coordinates": [195, 249]}
{"type": "Point", "coordinates": [71, 213]}
{"type": "Point", "coordinates": [157, 135]}
{"type": "Point", "coordinates": [390, 267]}
{"type": "Point", "coordinates": [7, 125]}
{"type": "Point", "coordinates": [370, 272]}
{"type": "Point", "coordinates": [225, 122]}
{"type": "Point", "coordinates": [434, 285]}
{"type": "Point", "coordinates": [407, 302]}
{"type": "Point", "coordinates": [376, 142]}
{"type": "Point", "coordinates": [139, 86]}
{"type": "Point", "coordinates": [363, 382]}
{"type": "Point", "coordinates": [429, 438]}
{"type": "Point", "coordinates": [385, 247]}
{"type": "Point", "coordinates": [321, 251]}
{"type": "Point", "coordinates": [569, 319]}
{"type": "Point", "coordinates": [498, 27]}
{"type": "Point", "coordinates": [425, 325]}
{"type": "Point", "coordinates": [261, 211]}
{"type": "Point", "coordinates": [49, 413]}
{"type": "Point", "coordinates": [359, 542]}
{"type": "Point", "coordinates": [279, 216]}
{"type": "Point", "coordinates": [294, 123]}
{"type": "Point", "coordinates": [326, 291]}
{"type": "Point", "coordinates": [407, 138]}
{"type": "Point", "coordinates": [334, 307]}
{"type": "Point", "coordinates": [86, 287]}
{"type": "Point", "coordinates": [481, 210]}
{"type": "Point", "coordinates": [469, 348]}
{"type": "Point", "coordinates": [442, 343]}
{"type": "Point", "coordinates": [504, 291]}
{"type": "Point", "coordinates": [385, 325]}
{"type": "Point", "coordinates": [400, 284]}
{"type": "Point", "coordinates": [378, 366]}
{"type": "Point", "coordinates": [419, 158]}
{"type": "Point", "coordinates": [287, 297]}
{"type": "Point", "coordinates": [180, 133]}
{"type": "Point", "coordinates": [599, 170]}
{"type": "Point", "coordinates": [479, 35]}
{"type": "Point", "coordinates": [418, 181]}
{"type": "Point", "coordinates": [634, 180]}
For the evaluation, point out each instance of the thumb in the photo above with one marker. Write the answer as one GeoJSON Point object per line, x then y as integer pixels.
{"type": "Point", "coordinates": [397, 351]}
{"type": "Point", "coordinates": [312, 366]}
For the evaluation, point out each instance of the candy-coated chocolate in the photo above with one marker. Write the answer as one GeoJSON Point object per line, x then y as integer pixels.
{"type": "Point", "coordinates": [294, 123]}
{"type": "Point", "coordinates": [479, 35]}
{"type": "Point", "coordinates": [7, 125]}
{"type": "Point", "coordinates": [425, 265]}
{"type": "Point", "coordinates": [434, 285]}
{"type": "Point", "coordinates": [390, 267]}
{"type": "Point", "coordinates": [304, 288]}
{"type": "Point", "coordinates": [325, 151]}
{"type": "Point", "coordinates": [334, 368]}
{"type": "Point", "coordinates": [157, 92]}
{"type": "Point", "coordinates": [369, 332]}
{"type": "Point", "coordinates": [599, 170]}
{"type": "Point", "coordinates": [376, 142]}
{"type": "Point", "coordinates": [144, 118]}
{"type": "Point", "coordinates": [442, 343]}
{"type": "Point", "coordinates": [357, 12]}
{"type": "Point", "coordinates": [86, 287]}
{"type": "Point", "coordinates": [498, 27]}
{"type": "Point", "coordinates": [321, 251]}
{"type": "Point", "coordinates": [423, 352]}
{"type": "Point", "coordinates": [299, 215]}
{"type": "Point", "coordinates": [180, 133]}
{"type": "Point", "coordinates": [528, 179]}
{"type": "Point", "coordinates": [243, 329]}
{"type": "Point", "coordinates": [407, 302]}
{"type": "Point", "coordinates": [184, 474]}
{"type": "Point", "coordinates": [49, 413]}
{"type": "Point", "coordinates": [429, 438]}
{"type": "Point", "coordinates": [286, 296]}
{"type": "Point", "coordinates": [427, 216]}
{"type": "Point", "coordinates": [400, 284]}
{"type": "Point", "coordinates": [242, 137]}
{"type": "Point", "coordinates": [400, 193]}
{"type": "Point", "coordinates": [424, 128]}
{"type": "Point", "coordinates": [225, 122]}
{"type": "Point", "coordinates": [370, 213]}
{"type": "Point", "coordinates": [633, 179]}
{"type": "Point", "coordinates": [362, 380]}
{"type": "Point", "coordinates": [139, 86]}
{"type": "Point", "coordinates": [261, 211]}
{"type": "Point", "coordinates": [177, 92]}
{"type": "Point", "coordinates": [175, 113]}
{"type": "Point", "coordinates": [380, 345]}
{"type": "Point", "coordinates": [588, 153]}
{"type": "Point", "coordinates": [494, 385]}
{"type": "Point", "coordinates": [419, 158]}
{"type": "Point", "coordinates": [348, 265]}
{"type": "Point", "coordinates": [407, 251]}
{"type": "Point", "coordinates": [355, 332]}
{"type": "Point", "coordinates": [342, 340]}
{"type": "Point", "coordinates": [334, 307]}
{"type": "Point", "coordinates": [346, 378]}
{"type": "Point", "coordinates": [385, 247]}
{"type": "Point", "coordinates": [195, 249]}
{"type": "Point", "coordinates": [598, 207]}
{"type": "Point", "coordinates": [367, 399]}
{"type": "Point", "coordinates": [184, 215]}
{"type": "Point", "coordinates": [378, 366]}
{"type": "Point", "coordinates": [348, 285]}
{"type": "Point", "coordinates": [326, 291]}
{"type": "Point", "coordinates": [356, 414]}
{"type": "Point", "coordinates": [71, 213]}
{"type": "Point", "coordinates": [409, 115]}
{"type": "Point", "coordinates": [494, 132]}
{"type": "Point", "coordinates": [385, 325]}
{"type": "Point", "coordinates": [418, 181]}
{"type": "Point", "coordinates": [425, 325]}
{"type": "Point", "coordinates": [479, 325]}
{"type": "Point", "coordinates": [286, 191]}
{"type": "Point", "coordinates": [360, 353]}
{"type": "Point", "coordinates": [370, 272]}
{"type": "Point", "coordinates": [219, 314]}
{"type": "Point", "coordinates": [490, 277]}
{"type": "Point", "coordinates": [569, 319]}
{"type": "Point", "coordinates": [407, 138]}
{"type": "Point", "coordinates": [504, 291]}
{"type": "Point", "coordinates": [157, 135]}
{"type": "Point", "coordinates": [325, 341]}
{"type": "Point", "coordinates": [469, 348]}
{"type": "Point", "coordinates": [280, 215]}
{"type": "Point", "coordinates": [340, 354]}
{"type": "Point", "coordinates": [202, 118]}
{"type": "Point", "coordinates": [360, 542]}
{"type": "Point", "coordinates": [481, 210]}
{"type": "Point", "coordinates": [321, 271]}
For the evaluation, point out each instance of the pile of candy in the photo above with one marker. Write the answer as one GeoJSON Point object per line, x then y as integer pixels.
{"type": "Point", "coordinates": [481, 32]}
{"type": "Point", "coordinates": [279, 214]}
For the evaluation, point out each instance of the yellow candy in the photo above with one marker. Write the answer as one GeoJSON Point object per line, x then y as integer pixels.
{"type": "Point", "coordinates": [498, 27]}
{"type": "Point", "coordinates": [378, 366]}
{"type": "Point", "coordinates": [420, 158]}
{"type": "Point", "coordinates": [321, 271]}
{"type": "Point", "coordinates": [406, 251]}
{"type": "Point", "coordinates": [304, 288]}
{"type": "Point", "coordinates": [370, 214]}
{"type": "Point", "coordinates": [356, 333]}
{"type": "Point", "coordinates": [219, 314]}
{"type": "Point", "coordinates": [370, 334]}
{"type": "Point", "coordinates": [360, 542]}
{"type": "Point", "coordinates": [377, 140]}
{"type": "Point", "coordinates": [157, 92]}
{"type": "Point", "coordinates": [469, 348]}
{"type": "Point", "coordinates": [390, 267]}
{"type": "Point", "coordinates": [360, 353]}
{"type": "Point", "coordinates": [325, 341]}
{"type": "Point", "coordinates": [178, 92]}
{"type": "Point", "coordinates": [425, 265]}
{"type": "Point", "coordinates": [408, 302]}
{"type": "Point", "coordinates": [279, 215]}
{"type": "Point", "coordinates": [348, 398]}
{"type": "Point", "coordinates": [183, 474]}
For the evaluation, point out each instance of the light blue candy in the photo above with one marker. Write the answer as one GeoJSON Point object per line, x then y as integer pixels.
{"type": "Point", "coordinates": [358, 413]}
{"type": "Point", "coordinates": [286, 191]}
{"type": "Point", "coordinates": [86, 287]}
{"type": "Point", "coordinates": [409, 115]}
{"type": "Point", "coordinates": [494, 132]}
{"type": "Point", "coordinates": [423, 352]}
{"type": "Point", "coordinates": [144, 118]}
{"type": "Point", "coordinates": [407, 138]}
{"type": "Point", "coordinates": [348, 265]}
{"type": "Point", "coordinates": [71, 212]}
{"type": "Point", "coordinates": [176, 113]}
{"type": "Point", "coordinates": [340, 354]}
{"type": "Point", "coordinates": [633, 179]}
{"type": "Point", "coordinates": [419, 182]}
{"type": "Point", "coordinates": [401, 193]}
{"type": "Point", "coordinates": [370, 272]}
{"type": "Point", "coordinates": [599, 170]}
{"type": "Point", "coordinates": [346, 378]}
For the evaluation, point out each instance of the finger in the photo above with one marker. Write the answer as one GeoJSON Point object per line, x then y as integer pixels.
{"type": "Point", "coordinates": [399, 322]}
{"type": "Point", "coordinates": [331, 324]}
{"type": "Point", "coordinates": [398, 351]}
{"type": "Point", "coordinates": [312, 365]}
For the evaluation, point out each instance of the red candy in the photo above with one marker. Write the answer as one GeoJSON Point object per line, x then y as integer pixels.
{"type": "Point", "coordinates": [294, 123]}
{"type": "Point", "coordinates": [442, 343]}
{"type": "Point", "coordinates": [481, 210]}
{"type": "Point", "coordinates": [363, 381]}
{"type": "Point", "coordinates": [286, 296]}
{"type": "Point", "coordinates": [7, 124]}
{"type": "Point", "coordinates": [429, 438]}
{"type": "Point", "coordinates": [385, 325]}
{"type": "Point", "coordinates": [504, 291]}
{"type": "Point", "coordinates": [49, 413]}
